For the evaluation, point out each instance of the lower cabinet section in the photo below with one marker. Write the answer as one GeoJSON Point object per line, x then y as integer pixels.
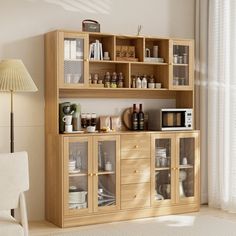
{"type": "Point", "coordinates": [110, 177]}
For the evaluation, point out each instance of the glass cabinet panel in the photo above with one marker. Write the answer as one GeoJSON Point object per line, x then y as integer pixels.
{"type": "Point", "coordinates": [163, 156]}
{"type": "Point", "coordinates": [77, 168]}
{"type": "Point", "coordinates": [73, 60]}
{"type": "Point", "coordinates": [186, 167]}
{"type": "Point", "coordinates": [180, 65]}
{"type": "Point", "coordinates": [106, 173]}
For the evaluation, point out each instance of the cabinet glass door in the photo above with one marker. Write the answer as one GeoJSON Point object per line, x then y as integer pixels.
{"type": "Point", "coordinates": [182, 62]}
{"type": "Point", "coordinates": [75, 62]}
{"type": "Point", "coordinates": [77, 168]}
{"type": "Point", "coordinates": [163, 161]}
{"type": "Point", "coordinates": [187, 169]}
{"type": "Point", "coordinates": [106, 169]}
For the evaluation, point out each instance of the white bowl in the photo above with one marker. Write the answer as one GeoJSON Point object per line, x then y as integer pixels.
{"type": "Point", "coordinates": [91, 129]}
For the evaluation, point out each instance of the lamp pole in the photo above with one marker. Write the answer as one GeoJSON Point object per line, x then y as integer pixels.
{"type": "Point", "coordinates": [12, 125]}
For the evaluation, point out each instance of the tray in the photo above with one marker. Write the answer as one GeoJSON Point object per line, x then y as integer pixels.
{"type": "Point", "coordinates": [126, 118]}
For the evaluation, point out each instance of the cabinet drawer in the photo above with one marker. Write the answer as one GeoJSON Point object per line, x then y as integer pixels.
{"type": "Point", "coordinates": [135, 195]}
{"type": "Point", "coordinates": [135, 171]}
{"type": "Point", "coordinates": [135, 146]}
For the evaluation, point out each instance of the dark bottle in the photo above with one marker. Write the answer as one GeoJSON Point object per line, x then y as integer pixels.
{"type": "Point", "coordinates": [140, 118]}
{"type": "Point", "coordinates": [134, 118]}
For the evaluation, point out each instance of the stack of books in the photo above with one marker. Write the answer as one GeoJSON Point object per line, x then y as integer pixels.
{"type": "Point", "coordinates": [95, 51]}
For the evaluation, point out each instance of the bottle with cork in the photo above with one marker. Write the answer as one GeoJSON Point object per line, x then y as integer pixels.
{"type": "Point", "coordinates": [134, 118]}
{"type": "Point", "coordinates": [140, 118]}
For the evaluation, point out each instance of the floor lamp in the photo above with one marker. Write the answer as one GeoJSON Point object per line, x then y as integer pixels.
{"type": "Point", "coordinates": [14, 77]}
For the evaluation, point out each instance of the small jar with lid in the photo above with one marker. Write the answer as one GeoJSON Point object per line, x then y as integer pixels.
{"type": "Point", "coordinates": [95, 79]}
{"type": "Point", "coordinates": [175, 58]}
{"type": "Point", "coordinates": [83, 120]}
{"type": "Point", "coordinates": [133, 82]}
{"type": "Point", "coordinates": [113, 80]}
{"type": "Point", "coordinates": [185, 58]}
{"type": "Point", "coordinates": [93, 119]}
{"type": "Point", "coordinates": [180, 59]}
{"type": "Point", "coordinates": [107, 79]}
{"type": "Point", "coordinates": [151, 79]}
{"type": "Point", "coordinates": [120, 83]}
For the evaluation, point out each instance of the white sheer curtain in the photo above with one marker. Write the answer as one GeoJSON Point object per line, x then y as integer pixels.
{"type": "Point", "coordinates": [222, 104]}
{"type": "Point", "coordinates": [216, 90]}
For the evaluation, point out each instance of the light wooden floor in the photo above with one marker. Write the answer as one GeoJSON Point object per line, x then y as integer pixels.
{"type": "Point", "coordinates": [43, 227]}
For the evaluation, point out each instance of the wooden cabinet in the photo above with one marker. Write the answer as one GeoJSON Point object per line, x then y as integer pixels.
{"type": "Point", "coordinates": [175, 168]}
{"type": "Point", "coordinates": [91, 174]}
{"type": "Point", "coordinates": [96, 178]}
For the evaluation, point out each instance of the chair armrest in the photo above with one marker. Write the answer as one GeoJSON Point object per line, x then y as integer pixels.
{"type": "Point", "coordinates": [23, 214]}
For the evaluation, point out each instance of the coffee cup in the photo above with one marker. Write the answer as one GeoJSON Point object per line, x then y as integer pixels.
{"type": "Point", "coordinates": [185, 161]}
{"type": "Point", "coordinates": [108, 166]}
{"type": "Point", "coordinates": [67, 119]}
{"type": "Point", "coordinates": [76, 78]}
{"type": "Point", "coordinates": [68, 78]}
{"type": "Point", "coordinates": [68, 128]}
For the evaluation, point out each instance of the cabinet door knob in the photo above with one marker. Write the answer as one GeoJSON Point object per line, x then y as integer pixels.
{"type": "Point", "coordinates": [96, 174]}
{"type": "Point", "coordinates": [136, 171]}
{"type": "Point", "coordinates": [136, 146]}
{"type": "Point", "coordinates": [135, 196]}
{"type": "Point", "coordinates": [86, 59]}
{"type": "Point", "coordinates": [91, 174]}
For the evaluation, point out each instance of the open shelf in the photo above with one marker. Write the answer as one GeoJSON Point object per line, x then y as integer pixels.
{"type": "Point", "coordinates": [116, 93]}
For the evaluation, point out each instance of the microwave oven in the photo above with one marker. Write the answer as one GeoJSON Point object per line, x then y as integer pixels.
{"type": "Point", "coordinates": [170, 119]}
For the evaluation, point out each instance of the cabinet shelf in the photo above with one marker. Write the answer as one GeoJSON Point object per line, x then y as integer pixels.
{"type": "Point", "coordinates": [106, 172]}
{"type": "Point", "coordinates": [186, 166]}
{"type": "Point", "coordinates": [72, 60]}
{"type": "Point", "coordinates": [180, 64]}
{"type": "Point", "coordinates": [82, 173]}
{"type": "Point", "coordinates": [162, 168]}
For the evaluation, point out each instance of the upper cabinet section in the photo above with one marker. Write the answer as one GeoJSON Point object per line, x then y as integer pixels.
{"type": "Point", "coordinates": [181, 66]}
{"type": "Point", "coordinates": [97, 61]}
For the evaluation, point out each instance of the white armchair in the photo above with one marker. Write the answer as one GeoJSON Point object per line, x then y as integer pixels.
{"type": "Point", "coordinates": [14, 180]}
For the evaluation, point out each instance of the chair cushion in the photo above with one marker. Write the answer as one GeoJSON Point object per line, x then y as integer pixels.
{"type": "Point", "coordinates": [9, 226]}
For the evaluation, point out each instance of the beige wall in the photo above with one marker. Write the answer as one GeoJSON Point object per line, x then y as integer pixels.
{"type": "Point", "coordinates": [23, 23]}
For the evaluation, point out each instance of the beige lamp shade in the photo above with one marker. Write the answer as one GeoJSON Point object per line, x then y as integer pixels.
{"type": "Point", "coordinates": [15, 77]}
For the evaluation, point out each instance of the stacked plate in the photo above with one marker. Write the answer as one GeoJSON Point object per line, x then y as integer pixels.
{"type": "Point", "coordinates": [160, 156]}
{"type": "Point", "coordinates": [71, 165]}
{"type": "Point", "coordinates": [77, 198]}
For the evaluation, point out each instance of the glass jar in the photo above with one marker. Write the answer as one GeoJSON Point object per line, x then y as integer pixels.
{"type": "Point", "coordinates": [175, 58]}
{"type": "Point", "coordinates": [83, 120]}
{"type": "Point", "coordinates": [93, 119]}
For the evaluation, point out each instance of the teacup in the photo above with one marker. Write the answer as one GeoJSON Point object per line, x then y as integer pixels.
{"type": "Point", "coordinates": [67, 119]}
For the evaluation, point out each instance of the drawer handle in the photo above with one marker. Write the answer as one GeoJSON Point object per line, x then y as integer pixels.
{"type": "Point", "coordinates": [136, 146]}
{"type": "Point", "coordinates": [136, 171]}
{"type": "Point", "coordinates": [135, 196]}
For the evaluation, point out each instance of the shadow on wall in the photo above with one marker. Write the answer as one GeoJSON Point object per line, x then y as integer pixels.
{"type": "Point", "coordinates": [92, 6]}
{"type": "Point", "coordinates": [31, 52]}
